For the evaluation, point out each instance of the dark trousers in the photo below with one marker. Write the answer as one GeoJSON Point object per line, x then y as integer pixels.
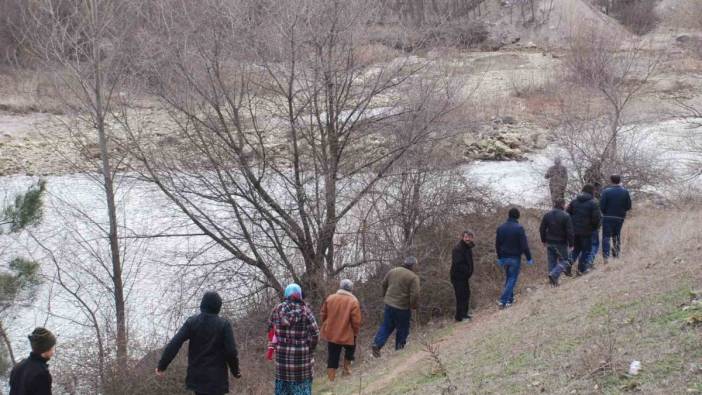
{"type": "Point", "coordinates": [461, 287]}
{"type": "Point", "coordinates": [582, 251]}
{"type": "Point", "coordinates": [558, 259]}
{"type": "Point", "coordinates": [334, 354]}
{"type": "Point", "coordinates": [612, 229]}
{"type": "Point", "coordinates": [393, 319]}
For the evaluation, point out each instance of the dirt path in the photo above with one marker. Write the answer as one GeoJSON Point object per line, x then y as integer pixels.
{"type": "Point", "coordinates": [461, 335]}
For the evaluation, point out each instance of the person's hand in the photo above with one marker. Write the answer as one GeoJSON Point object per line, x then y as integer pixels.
{"type": "Point", "coordinates": [237, 375]}
{"type": "Point", "coordinates": [160, 373]}
{"type": "Point", "coordinates": [530, 262]}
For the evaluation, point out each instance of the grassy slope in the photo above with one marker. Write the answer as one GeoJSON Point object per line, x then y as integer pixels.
{"type": "Point", "coordinates": [579, 338]}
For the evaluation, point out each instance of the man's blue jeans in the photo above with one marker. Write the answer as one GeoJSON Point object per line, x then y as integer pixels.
{"type": "Point", "coordinates": [612, 229]}
{"type": "Point", "coordinates": [393, 319]}
{"type": "Point", "coordinates": [511, 266]}
{"type": "Point", "coordinates": [558, 259]}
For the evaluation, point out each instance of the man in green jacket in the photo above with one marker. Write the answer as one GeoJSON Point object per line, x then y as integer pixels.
{"type": "Point", "coordinates": [400, 295]}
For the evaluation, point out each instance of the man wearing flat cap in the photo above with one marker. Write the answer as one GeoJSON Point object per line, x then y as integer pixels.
{"type": "Point", "coordinates": [31, 376]}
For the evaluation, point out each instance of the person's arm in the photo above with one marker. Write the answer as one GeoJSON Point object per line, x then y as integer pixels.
{"type": "Point", "coordinates": [323, 312]}
{"type": "Point", "coordinates": [627, 202]}
{"type": "Point", "coordinates": [385, 283]}
{"type": "Point", "coordinates": [40, 385]}
{"type": "Point", "coordinates": [312, 330]}
{"type": "Point", "coordinates": [172, 348]}
{"type": "Point", "coordinates": [525, 244]}
{"type": "Point", "coordinates": [12, 376]}
{"type": "Point", "coordinates": [542, 229]}
{"type": "Point", "coordinates": [570, 232]}
{"type": "Point", "coordinates": [469, 263]}
{"type": "Point", "coordinates": [548, 173]}
{"type": "Point", "coordinates": [604, 201]}
{"type": "Point", "coordinates": [356, 319]}
{"type": "Point", "coordinates": [497, 243]}
{"type": "Point", "coordinates": [455, 259]}
{"type": "Point", "coordinates": [596, 216]}
{"type": "Point", "coordinates": [230, 353]}
{"type": "Point", "coordinates": [569, 208]}
{"type": "Point", "coordinates": [414, 293]}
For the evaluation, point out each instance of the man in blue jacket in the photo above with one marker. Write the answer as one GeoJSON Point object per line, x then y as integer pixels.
{"type": "Point", "coordinates": [510, 243]}
{"type": "Point", "coordinates": [614, 204]}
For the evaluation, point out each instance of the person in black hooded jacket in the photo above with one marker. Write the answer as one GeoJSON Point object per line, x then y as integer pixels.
{"type": "Point", "coordinates": [556, 231]}
{"type": "Point", "coordinates": [211, 349]}
{"type": "Point", "coordinates": [461, 271]}
{"type": "Point", "coordinates": [586, 216]}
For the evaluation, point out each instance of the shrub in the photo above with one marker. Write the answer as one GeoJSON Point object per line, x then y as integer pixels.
{"type": "Point", "coordinates": [639, 16]}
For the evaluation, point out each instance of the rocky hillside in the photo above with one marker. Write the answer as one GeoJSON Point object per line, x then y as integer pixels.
{"type": "Point", "coordinates": [580, 338]}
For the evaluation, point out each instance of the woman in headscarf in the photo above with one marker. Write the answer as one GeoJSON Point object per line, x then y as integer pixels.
{"type": "Point", "coordinates": [297, 335]}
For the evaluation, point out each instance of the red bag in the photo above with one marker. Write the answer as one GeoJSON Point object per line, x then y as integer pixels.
{"type": "Point", "coordinates": [272, 341]}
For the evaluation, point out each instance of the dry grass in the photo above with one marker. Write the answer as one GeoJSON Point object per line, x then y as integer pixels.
{"type": "Point", "coordinates": [578, 338]}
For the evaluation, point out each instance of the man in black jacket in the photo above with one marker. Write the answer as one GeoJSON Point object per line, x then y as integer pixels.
{"type": "Point", "coordinates": [557, 234]}
{"type": "Point", "coordinates": [585, 213]}
{"type": "Point", "coordinates": [31, 376]}
{"type": "Point", "coordinates": [210, 351]}
{"type": "Point", "coordinates": [461, 271]}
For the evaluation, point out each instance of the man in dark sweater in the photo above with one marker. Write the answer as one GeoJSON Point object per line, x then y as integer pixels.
{"type": "Point", "coordinates": [211, 349]}
{"type": "Point", "coordinates": [461, 271]}
{"type": "Point", "coordinates": [586, 217]}
{"type": "Point", "coordinates": [510, 243]}
{"type": "Point", "coordinates": [557, 235]}
{"type": "Point", "coordinates": [614, 204]}
{"type": "Point", "coordinates": [31, 376]}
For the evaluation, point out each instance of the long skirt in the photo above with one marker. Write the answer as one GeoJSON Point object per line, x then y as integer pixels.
{"type": "Point", "coordinates": [293, 387]}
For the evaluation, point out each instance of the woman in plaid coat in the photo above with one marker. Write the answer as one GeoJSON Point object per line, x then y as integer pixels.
{"type": "Point", "coordinates": [297, 336]}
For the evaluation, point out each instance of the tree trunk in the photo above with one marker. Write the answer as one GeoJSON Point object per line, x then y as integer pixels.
{"type": "Point", "coordinates": [118, 291]}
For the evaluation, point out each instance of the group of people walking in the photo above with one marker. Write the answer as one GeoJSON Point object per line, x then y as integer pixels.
{"type": "Point", "coordinates": [570, 234]}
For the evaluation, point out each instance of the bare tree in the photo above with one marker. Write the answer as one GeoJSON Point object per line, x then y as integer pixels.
{"type": "Point", "coordinates": [605, 75]}
{"type": "Point", "coordinates": [690, 148]}
{"type": "Point", "coordinates": [85, 43]}
{"type": "Point", "coordinates": [284, 126]}
{"type": "Point", "coordinates": [423, 191]}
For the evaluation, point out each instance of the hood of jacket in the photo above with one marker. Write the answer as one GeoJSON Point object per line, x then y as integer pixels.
{"type": "Point", "coordinates": [584, 197]}
{"type": "Point", "coordinates": [211, 303]}
{"type": "Point", "coordinates": [289, 313]}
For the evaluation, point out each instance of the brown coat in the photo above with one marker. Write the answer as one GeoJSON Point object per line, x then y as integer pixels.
{"type": "Point", "coordinates": [341, 318]}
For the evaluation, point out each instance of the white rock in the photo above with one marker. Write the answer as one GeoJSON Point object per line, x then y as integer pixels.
{"type": "Point", "coordinates": [634, 368]}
